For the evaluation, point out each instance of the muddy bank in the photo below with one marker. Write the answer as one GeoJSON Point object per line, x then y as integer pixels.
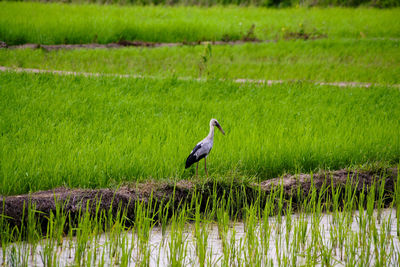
{"type": "Point", "coordinates": [75, 201]}
{"type": "Point", "coordinates": [248, 37]}
{"type": "Point", "coordinates": [124, 43]}
{"type": "Point", "coordinates": [356, 179]}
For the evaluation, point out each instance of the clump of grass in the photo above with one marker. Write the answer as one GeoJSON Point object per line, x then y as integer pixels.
{"type": "Point", "coordinates": [205, 58]}
{"type": "Point", "coordinates": [301, 33]}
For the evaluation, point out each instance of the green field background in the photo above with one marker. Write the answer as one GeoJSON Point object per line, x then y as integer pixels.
{"type": "Point", "coordinates": [56, 23]}
{"type": "Point", "coordinates": [369, 61]}
{"type": "Point", "coordinates": [96, 132]}
{"type": "Point", "coordinates": [103, 131]}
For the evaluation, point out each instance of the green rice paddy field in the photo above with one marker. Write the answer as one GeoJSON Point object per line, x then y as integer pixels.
{"type": "Point", "coordinates": [109, 131]}
{"type": "Point", "coordinates": [101, 131]}
{"type": "Point", "coordinates": [369, 61]}
{"type": "Point", "coordinates": [58, 23]}
{"type": "Point", "coordinates": [94, 131]}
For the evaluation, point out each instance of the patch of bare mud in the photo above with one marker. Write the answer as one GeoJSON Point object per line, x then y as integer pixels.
{"type": "Point", "coordinates": [75, 200]}
{"type": "Point", "coordinates": [356, 179]}
{"type": "Point", "coordinates": [125, 43]}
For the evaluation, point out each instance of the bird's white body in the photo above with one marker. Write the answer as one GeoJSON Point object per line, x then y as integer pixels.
{"type": "Point", "coordinates": [203, 148]}
{"type": "Point", "coordinates": [205, 145]}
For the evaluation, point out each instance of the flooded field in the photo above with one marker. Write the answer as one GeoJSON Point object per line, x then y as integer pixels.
{"type": "Point", "coordinates": [356, 238]}
{"type": "Point", "coordinates": [339, 218]}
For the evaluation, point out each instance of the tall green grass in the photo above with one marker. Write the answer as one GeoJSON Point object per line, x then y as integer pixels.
{"type": "Point", "coordinates": [95, 132]}
{"type": "Point", "coordinates": [62, 23]}
{"type": "Point", "coordinates": [375, 61]}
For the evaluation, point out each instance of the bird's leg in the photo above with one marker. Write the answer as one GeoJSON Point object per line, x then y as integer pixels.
{"type": "Point", "coordinates": [197, 168]}
{"type": "Point", "coordinates": [205, 166]}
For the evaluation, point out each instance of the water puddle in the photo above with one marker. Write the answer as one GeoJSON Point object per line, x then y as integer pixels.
{"type": "Point", "coordinates": [336, 239]}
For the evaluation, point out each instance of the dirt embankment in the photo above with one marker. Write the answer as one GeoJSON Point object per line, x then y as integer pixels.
{"type": "Point", "coordinates": [248, 37]}
{"type": "Point", "coordinates": [124, 43]}
{"type": "Point", "coordinates": [356, 179]}
{"type": "Point", "coordinates": [74, 201]}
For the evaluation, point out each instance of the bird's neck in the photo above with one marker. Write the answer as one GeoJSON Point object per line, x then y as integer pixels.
{"type": "Point", "coordinates": [211, 133]}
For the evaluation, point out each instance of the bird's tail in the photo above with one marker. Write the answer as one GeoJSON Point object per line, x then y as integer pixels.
{"type": "Point", "coordinates": [190, 160]}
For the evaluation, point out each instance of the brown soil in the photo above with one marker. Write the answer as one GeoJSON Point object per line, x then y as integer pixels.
{"type": "Point", "coordinates": [356, 179]}
{"type": "Point", "coordinates": [124, 43]}
{"type": "Point", "coordinates": [74, 200]}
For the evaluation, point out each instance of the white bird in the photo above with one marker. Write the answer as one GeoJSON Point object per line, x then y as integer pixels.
{"type": "Point", "coordinates": [203, 148]}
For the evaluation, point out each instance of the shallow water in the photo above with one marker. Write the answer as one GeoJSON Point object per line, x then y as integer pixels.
{"type": "Point", "coordinates": [245, 244]}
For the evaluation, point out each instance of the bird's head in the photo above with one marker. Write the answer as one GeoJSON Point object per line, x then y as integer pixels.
{"type": "Point", "coordinates": [214, 122]}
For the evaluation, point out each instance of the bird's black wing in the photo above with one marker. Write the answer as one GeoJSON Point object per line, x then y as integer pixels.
{"type": "Point", "coordinates": [192, 157]}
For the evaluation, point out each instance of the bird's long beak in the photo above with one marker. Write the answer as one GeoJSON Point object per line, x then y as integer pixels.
{"type": "Point", "coordinates": [220, 128]}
